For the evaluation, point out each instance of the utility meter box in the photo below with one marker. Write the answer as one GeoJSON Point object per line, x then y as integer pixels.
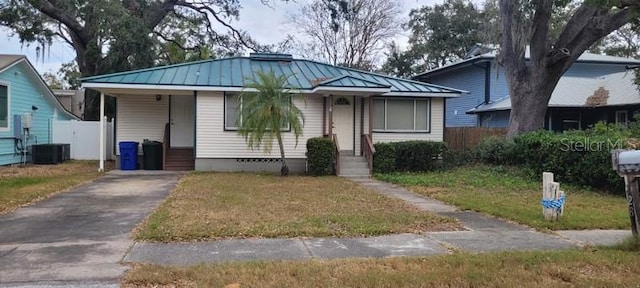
{"type": "Point", "coordinates": [17, 126]}
{"type": "Point", "coordinates": [27, 120]}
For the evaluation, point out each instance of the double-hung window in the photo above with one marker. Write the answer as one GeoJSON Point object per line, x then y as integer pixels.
{"type": "Point", "coordinates": [4, 106]}
{"type": "Point", "coordinates": [401, 115]}
{"type": "Point", "coordinates": [233, 108]}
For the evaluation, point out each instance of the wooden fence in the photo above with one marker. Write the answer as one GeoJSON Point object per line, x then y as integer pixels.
{"type": "Point", "coordinates": [462, 138]}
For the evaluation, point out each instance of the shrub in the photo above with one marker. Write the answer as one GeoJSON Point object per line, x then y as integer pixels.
{"type": "Point", "coordinates": [580, 157]}
{"type": "Point", "coordinates": [418, 155]}
{"type": "Point", "coordinates": [384, 160]}
{"type": "Point", "coordinates": [496, 151]}
{"type": "Point", "coordinates": [407, 156]}
{"type": "Point", "coordinates": [320, 156]}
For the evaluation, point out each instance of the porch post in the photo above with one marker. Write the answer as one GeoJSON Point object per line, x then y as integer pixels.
{"type": "Point", "coordinates": [330, 115]}
{"type": "Point", "coordinates": [102, 122]}
{"type": "Point", "coordinates": [370, 118]}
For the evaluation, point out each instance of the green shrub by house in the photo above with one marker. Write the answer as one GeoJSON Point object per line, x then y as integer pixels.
{"type": "Point", "coordinates": [320, 156]}
{"type": "Point", "coordinates": [407, 156]}
{"type": "Point", "coordinates": [496, 151]}
{"type": "Point", "coordinates": [580, 157]}
{"type": "Point", "coordinates": [384, 160]}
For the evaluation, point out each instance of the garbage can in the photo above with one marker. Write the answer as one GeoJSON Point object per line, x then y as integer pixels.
{"type": "Point", "coordinates": [152, 151]}
{"type": "Point", "coordinates": [128, 155]}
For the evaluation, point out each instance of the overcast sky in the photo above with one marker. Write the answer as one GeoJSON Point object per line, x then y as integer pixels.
{"type": "Point", "coordinates": [265, 24]}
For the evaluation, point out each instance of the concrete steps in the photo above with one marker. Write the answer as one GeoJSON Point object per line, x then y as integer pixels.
{"type": "Point", "coordinates": [353, 166]}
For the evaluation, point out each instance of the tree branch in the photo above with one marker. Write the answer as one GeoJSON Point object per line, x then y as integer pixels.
{"type": "Point", "coordinates": [540, 36]}
{"type": "Point", "coordinates": [588, 25]}
{"type": "Point", "coordinates": [63, 17]}
{"type": "Point", "coordinates": [206, 11]}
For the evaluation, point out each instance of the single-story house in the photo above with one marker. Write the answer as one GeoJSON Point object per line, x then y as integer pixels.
{"type": "Point", "coordinates": [192, 106]}
{"type": "Point", "coordinates": [577, 103]}
{"type": "Point", "coordinates": [27, 109]}
{"type": "Point", "coordinates": [481, 74]}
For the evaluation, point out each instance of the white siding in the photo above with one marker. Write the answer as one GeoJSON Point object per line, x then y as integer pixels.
{"type": "Point", "coordinates": [358, 133]}
{"type": "Point", "coordinates": [213, 142]}
{"type": "Point", "coordinates": [437, 118]}
{"type": "Point", "coordinates": [141, 117]}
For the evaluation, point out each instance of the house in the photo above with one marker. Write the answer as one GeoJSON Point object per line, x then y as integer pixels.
{"type": "Point", "coordinates": [577, 103]}
{"type": "Point", "coordinates": [27, 109]}
{"type": "Point", "coordinates": [72, 100]}
{"type": "Point", "coordinates": [481, 75]}
{"type": "Point", "coordinates": [192, 106]}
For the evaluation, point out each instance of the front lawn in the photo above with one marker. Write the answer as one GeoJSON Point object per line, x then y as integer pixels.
{"type": "Point", "coordinates": [20, 186]}
{"type": "Point", "coordinates": [240, 205]}
{"type": "Point", "coordinates": [602, 267]}
{"type": "Point", "coordinates": [509, 194]}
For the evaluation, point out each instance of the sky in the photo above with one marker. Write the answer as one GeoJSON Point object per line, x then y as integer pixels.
{"type": "Point", "coordinates": [265, 24]}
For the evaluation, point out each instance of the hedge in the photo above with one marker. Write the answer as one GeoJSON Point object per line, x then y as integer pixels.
{"type": "Point", "coordinates": [320, 156]}
{"type": "Point", "coordinates": [407, 156]}
{"type": "Point", "coordinates": [579, 157]}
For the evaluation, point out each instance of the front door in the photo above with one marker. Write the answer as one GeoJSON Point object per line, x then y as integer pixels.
{"type": "Point", "coordinates": [343, 121]}
{"type": "Point", "coordinates": [181, 119]}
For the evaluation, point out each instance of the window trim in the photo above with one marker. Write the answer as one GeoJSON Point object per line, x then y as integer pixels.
{"type": "Point", "coordinates": [228, 128]}
{"type": "Point", "coordinates": [626, 117]}
{"type": "Point", "coordinates": [9, 118]}
{"type": "Point", "coordinates": [414, 99]}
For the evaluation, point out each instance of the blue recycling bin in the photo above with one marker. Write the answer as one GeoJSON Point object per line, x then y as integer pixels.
{"type": "Point", "coordinates": [128, 155]}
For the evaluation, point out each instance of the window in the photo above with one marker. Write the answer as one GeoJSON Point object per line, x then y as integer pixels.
{"type": "Point", "coordinates": [232, 119]}
{"type": "Point", "coordinates": [4, 106]}
{"type": "Point", "coordinates": [401, 115]}
{"type": "Point", "coordinates": [622, 118]}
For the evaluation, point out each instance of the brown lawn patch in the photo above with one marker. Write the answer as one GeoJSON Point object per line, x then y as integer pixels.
{"type": "Point", "coordinates": [20, 186]}
{"type": "Point", "coordinates": [240, 205]}
{"type": "Point", "coordinates": [573, 268]}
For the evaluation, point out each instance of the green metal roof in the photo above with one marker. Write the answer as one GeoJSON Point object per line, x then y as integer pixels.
{"type": "Point", "coordinates": [235, 71]}
{"type": "Point", "coordinates": [350, 81]}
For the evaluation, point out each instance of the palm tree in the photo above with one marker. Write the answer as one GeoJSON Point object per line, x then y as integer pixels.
{"type": "Point", "coordinates": [266, 109]}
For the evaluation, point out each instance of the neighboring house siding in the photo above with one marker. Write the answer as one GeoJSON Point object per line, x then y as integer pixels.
{"type": "Point", "coordinates": [436, 133]}
{"type": "Point", "coordinates": [499, 86]}
{"type": "Point", "coordinates": [24, 92]}
{"type": "Point", "coordinates": [141, 117]}
{"type": "Point", "coordinates": [471, 79]}
{"type": "Point", "coordinates": [212, 141]}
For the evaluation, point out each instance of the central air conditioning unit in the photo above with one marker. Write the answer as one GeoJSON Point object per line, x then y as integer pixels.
{"type": "Point", "coordinates": [51, 153]}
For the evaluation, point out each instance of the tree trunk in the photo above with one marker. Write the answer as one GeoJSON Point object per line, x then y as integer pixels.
{"type": "Point", "coordinates": [529, 100]}
{"type": "Point", "coordinates": [284, 171]}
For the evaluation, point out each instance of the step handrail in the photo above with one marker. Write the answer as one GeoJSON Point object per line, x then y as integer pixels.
{"type": "Point", "coordinates": [336, 153]}
{"type": "Point", "coordinates": [368, 150]}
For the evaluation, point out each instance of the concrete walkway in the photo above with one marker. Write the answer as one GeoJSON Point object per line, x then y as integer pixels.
{"type": "Point", "coordinates": [482, 234]}
{"type": "Point", "coordinates": [78, 238]}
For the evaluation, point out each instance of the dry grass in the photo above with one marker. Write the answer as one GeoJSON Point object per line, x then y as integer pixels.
{"type": "Point", "coordinates": [240, 205]}
{"type": "Point", "coordinates": [573, 268]}
{"type": "Point", "coordinates": [20, 186]}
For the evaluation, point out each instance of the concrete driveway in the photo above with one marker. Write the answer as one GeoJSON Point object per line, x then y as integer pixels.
{"type": "Point", "coordinates": [78, 238]}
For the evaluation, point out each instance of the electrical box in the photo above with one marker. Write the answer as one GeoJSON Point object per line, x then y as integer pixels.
{"type": "Point", "coordinates": [17, 126]}
{"type": "Point", "coordinates": [27, 120]}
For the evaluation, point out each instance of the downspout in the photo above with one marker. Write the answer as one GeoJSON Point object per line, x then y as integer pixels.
{"type": "Point", "coordinates": [487, 84]}
{"type": "Point", "coordinates": [487, 80]}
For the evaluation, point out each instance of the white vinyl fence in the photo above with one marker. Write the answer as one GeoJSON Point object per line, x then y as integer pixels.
{"type": "Point", "coordinates": [84, 137]}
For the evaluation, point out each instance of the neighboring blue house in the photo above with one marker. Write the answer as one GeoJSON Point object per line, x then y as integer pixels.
{"type": "Point", "coordinates": [24, 98]}
{"type": "Point", "coordinates": [484, 78]}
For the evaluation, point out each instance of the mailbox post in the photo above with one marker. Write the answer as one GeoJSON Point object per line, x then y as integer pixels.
{"type": "Point", "coordinates": [627, 164]}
